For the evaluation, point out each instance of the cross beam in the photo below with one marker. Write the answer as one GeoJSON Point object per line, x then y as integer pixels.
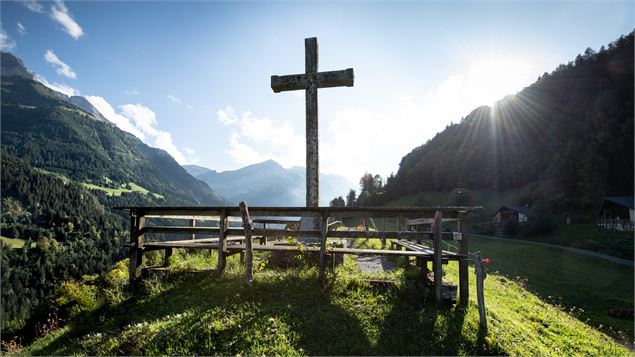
{"type": "Point", "coordinates": [310, 81]}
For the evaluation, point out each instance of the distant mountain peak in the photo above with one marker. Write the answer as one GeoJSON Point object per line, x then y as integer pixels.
{"type": "Point", "coordinates": [13, 66]}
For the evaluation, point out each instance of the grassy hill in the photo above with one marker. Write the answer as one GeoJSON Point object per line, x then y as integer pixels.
{"type": "Point", "coordinates": [288, 313]}
{"type": "Point", "coordinates": [587, 286]}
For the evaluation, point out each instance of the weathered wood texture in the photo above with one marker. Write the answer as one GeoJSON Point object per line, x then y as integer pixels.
{"type": "Point", "coordinates": [480, 296]}
{"type": "Point", "coordinates": [335, 212]}
{"type": "Point", "coordinates": [136, 248]}
{"type": "Point", "coordinates": [249, 251]}
{"type": "Point", "coordinates": [222, 243]}
{"type": "Point", "coordinates": [324, 228]}
{"type": "Point", "coordinates": [464, 290]}
{"type": "Point", "coordinates": [193, 224]}
{"type": "Point", "coordinates": [132, 253]}
{"type": "Point", "coordinates": [275, 221]}
{"type": "Point", "coordinates": [329, 79]}
{"type": "Point", "coordinates": [437, 225]}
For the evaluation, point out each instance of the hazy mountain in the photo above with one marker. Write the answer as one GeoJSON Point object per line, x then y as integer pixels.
{"type": "Point", "coordinates": [269, 184]}
{"type": "Point", "coordinates": [569, 135]}
{"type": "Point", "coordinates": [53, 134]}
{"type": "Point", "coordinates": [195, 170]}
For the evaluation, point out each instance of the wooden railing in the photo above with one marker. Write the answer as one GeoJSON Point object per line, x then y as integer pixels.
{"type": "Point", "coordinates": [229, 230]}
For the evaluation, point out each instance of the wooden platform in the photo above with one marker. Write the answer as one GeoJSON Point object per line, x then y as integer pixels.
{"type": "Point", "coordinates": [227, 237]}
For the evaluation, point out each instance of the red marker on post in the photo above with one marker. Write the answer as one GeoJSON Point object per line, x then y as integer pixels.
{"type": "Point", "coordinates": [486, 261]}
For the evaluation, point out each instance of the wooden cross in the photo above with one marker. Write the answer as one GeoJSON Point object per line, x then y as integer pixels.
{"type": "Point", "coordinates": [310, 81]}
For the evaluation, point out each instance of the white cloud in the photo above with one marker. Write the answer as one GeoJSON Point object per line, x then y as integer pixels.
{"type": "Point", "coordinates": [59, 87]}
{"type": "Point", "coordinates": [189, 151]}
{"type": "Point", "coordinates": [119, 120]}
{"type": "Point", "coordinates": [132, 92]}
{"type": "Point", "coordinates": [6, 43]}
{"type": "Point", "coordinates": [141, 121]}
{"type": "Point", "coordinates": [143, 117]}
{"type": "Point", "coordinates": [60, 67]}
{"type": "Point", "coordinates": [33, 6]}
{"type": "Point", "coordinates": [21, 29]}
{"type": "Point", "coordinates": [59, 13]}
{"type": "Point", "coordinates": [254, 140]}
{"type": "Point", "coordinates": [227, 116]}
{"type": "Point", "coordinates": [145, 120]}
{"type": "Point", "coordinates": [174, 99]}
{"type": "Point", "coordinates": [178, 101]}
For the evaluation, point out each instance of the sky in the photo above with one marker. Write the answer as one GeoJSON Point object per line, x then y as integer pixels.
{"type": "Point", "coordinates": [193, 78]}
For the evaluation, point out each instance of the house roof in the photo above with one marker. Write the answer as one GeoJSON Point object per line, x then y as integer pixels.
{"type": "Point", "coordinates": [624, 201]}
{"type": "Point", "coordinates": [520, 209]}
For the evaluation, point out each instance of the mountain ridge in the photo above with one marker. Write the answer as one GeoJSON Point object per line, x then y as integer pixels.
{"type": "Point", "coordinates": [566, 135]}
{"type": "Point", "coordinates": [269, 184]}
{"type": "Point", "coordinates": [44, 130]}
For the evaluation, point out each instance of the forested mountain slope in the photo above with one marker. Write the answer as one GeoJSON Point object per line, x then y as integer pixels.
{"type": "Point", "coordinates": [49, 133]}
{"type": "Point", "coordinates": [570, 135]}
{"type": "Point", "coordinates": [63, 169]}
{"type": "Point", "coordinates": [71, 231]}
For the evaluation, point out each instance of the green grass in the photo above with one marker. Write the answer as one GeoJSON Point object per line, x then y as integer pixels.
{"type": "Point", "coordinates": [589, 237]}
{"type": "Point", "coordinates": [490, 200]}
{"type": "Point", "coordinates": [287, 312]}
{"type": "Point", "coordinates": [587, 286]}
{"type": "Point", "coordinates": [118, 191]}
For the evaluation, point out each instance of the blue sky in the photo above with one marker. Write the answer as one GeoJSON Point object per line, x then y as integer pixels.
{"type": "Point", "coordinates": [193, 78]}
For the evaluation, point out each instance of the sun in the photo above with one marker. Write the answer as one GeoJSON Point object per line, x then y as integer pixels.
{"type": "Point", "coordinates": [491, 78]}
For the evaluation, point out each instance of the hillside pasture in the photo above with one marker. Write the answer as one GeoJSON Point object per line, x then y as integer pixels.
{"type": "Point", "coordinates": [13, 243]}
{"type": "Point", "coordinates": [123, 189]}
{"type": "Point", "coordinates": [588, 287]}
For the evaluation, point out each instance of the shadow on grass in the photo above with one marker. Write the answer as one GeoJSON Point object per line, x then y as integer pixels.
{"type": "Point", "coordinates": [286, 313]}
{"type": "Point", "coordinates": [221, 316]}
{"type": "Point", "coordinates": [415, 326]}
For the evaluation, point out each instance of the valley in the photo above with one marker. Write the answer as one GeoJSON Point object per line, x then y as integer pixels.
{"type": "Point", "coordinates": [546, 164]}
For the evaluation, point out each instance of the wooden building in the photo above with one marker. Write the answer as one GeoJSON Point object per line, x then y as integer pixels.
{"type": "Point", "coordinates": [511, 213]}
{"type": "Point", "coordinates": [617, 213]}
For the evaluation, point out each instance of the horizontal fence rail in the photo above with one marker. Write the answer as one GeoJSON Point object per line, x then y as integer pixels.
{"type": "Point", "coordinates": [412, 231]}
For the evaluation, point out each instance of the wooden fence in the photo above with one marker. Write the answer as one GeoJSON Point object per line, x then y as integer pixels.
{"type": "Point", "coordinates": [231, 230]}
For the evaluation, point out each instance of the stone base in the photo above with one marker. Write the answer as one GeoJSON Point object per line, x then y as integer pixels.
{"type": "Point", "coordinates": [309, 224]}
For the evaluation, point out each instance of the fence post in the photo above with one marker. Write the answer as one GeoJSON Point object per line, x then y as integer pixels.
{"type": "Point", "coordinates": [222, 243]}
{"type": "Point", "coordinates": [249, 250]}
{"type": "Point", "coordinates": [137, 222]}
{"type": "Point", "coordinates": [169, 252]}
{"type": "Point", "coordinates": [480, 296]}
{"type": "Point", "coordinates": [464, 290]}
{"type": "Point", "coordinates": [193, 224]}
{"type": "Point", "coordinates": [324, 227]}
{"type": "Point", "coordinates": [437, 262]}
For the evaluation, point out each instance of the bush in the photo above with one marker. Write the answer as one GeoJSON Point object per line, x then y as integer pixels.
{"type": "Point", "coordinates": [74, 297]}
{"type": "Point", "coordinates": [511, 228]}
{"type": "Point", "coordinates": [540, 221]}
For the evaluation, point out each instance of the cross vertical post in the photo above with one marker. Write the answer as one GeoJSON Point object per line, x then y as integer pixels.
{"type": "Point", "coordinates": [312, 134]}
